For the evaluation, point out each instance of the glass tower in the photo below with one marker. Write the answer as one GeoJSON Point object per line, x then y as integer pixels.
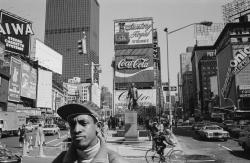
{"type": "Point", "coordinates": [66, 22]}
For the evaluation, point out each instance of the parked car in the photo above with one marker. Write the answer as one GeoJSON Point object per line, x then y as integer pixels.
{"type": "Point", "coordinates": [227, 124]}
{"type": "Point", "coordinates": [213, 132]}
{"type": "Point", "coordinates": [197, 126]}
{"type": "Point", "coordinates": [63, 125]}
{"type": "Point", "coordinates": [51, 129]}
{"type": "Point", "coordinates": [244, 142]}
{"type": "Point", "coordinates": [245, 131]}
{"type": "Point", "coordinates": [29, 127]}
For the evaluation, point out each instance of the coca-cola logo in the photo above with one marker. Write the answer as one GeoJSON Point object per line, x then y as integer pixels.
{"type": "Point", "coordinates": [139, 63]}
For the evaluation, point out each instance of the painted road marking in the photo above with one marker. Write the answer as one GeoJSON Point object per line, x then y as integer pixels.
{"type": "Point", "coordinates": [225, 147]}
{"type": "Point", "coordinates": [55, 139]}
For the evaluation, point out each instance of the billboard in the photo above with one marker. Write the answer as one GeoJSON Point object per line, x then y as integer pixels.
{"type": "Point", "coordinates": [15, 33]}
{"type": "Point", "coordinates": [48, 57]}
{"type": "Point", "coordinates": [44, 89]}
{"type": "Point", "coordinates": [29, 78]}
{"type": "Point", "coordinates": [207, 35]}
{"type": "Point", "coordinates": [133, 31]}
{"type": "Point", "coordinates": [15, 80]}
{"type": "Point", "coordinates": [146, 97]}
{"type": "Point", "coordinates": [135, 68]}
{"type": "Point", "coordinates": [233, 10]}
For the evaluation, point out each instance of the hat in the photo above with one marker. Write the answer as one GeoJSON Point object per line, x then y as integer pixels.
{"type": "Point", "coordinates": [88, 108]}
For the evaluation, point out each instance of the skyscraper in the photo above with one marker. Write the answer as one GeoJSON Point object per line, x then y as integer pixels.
{"type": "Point", "coordinates": [66, 22]}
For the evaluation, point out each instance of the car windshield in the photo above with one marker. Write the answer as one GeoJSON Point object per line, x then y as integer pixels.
{"type": "Point", "coordinates": [213, 128]}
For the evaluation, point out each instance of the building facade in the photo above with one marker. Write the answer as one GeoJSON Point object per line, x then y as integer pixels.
{"type": "Point", "coordinates": [233, 52]}
{"type": "Point", "coordinates": [203, 66]}
{"type": "Point", "coordinates": [67, 22]}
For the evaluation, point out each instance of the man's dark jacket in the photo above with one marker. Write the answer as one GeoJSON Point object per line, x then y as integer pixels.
{"type": "Point", "coordinates": [104, 155]}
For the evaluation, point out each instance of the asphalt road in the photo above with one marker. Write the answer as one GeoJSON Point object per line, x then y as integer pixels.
{"type": "Point", "coordinates": [228, 152]}
{"type": "Point", "coordinates": [12, 142]}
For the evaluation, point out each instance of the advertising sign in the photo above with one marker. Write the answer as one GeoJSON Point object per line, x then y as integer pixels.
{"type": "Point", "coordinates": [147, 97]}
{"type": "Point", "coordinates": [227, 84]}
{"type": "Point", "coordinates": [244, 90]}
{"type": "Point", "coordinates": [48, 57]}
{"type": "Point", "coordinates": [44, 89]}
{"type": "Point", "coordinates": [134, 69]}
{"type": "Point", "coordinates": [241, 58]}
{"type": "Point", "coordinates": [29, 76]}
{"type": "Point", "coordinates": [235, 9]}
{"type": "Point", "coordinates": [133, 31]}
{"type": "Point", "coordinates": [15, 33]}
{"type": "Point", "coordinates": [15, 80]}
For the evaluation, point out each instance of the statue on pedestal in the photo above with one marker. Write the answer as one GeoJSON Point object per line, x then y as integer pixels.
{"type": "Point", "coordinates": [133, 97]}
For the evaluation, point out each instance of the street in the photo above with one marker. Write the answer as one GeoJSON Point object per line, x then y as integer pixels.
{"type": "Point", "coordinates": [226, 152]}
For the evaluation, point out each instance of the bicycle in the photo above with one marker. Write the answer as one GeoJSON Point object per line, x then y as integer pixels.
{"type": "Point", "coordinates": [152, 155]}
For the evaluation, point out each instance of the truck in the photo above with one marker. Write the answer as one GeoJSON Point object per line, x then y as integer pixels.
{"type": "Point", "coordinates": [11, 122]}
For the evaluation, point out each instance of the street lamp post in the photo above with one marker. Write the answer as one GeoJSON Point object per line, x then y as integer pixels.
{"type": "Point", "coordinates": [206, 23]}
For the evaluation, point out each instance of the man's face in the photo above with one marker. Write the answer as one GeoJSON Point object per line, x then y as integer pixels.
{"type": "Point", "coordinates": [83, 131]}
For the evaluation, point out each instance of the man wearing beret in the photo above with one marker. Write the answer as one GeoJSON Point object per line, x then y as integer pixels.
{"type": "Point", "coordinates": [87, 145]}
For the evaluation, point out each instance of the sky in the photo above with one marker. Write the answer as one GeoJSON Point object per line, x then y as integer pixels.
{"type": "Point", "coordinates": [171, 14]}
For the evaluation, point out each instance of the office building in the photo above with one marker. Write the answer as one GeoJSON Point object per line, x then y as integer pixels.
{"type": "Point", "coordinates": [67, 22]}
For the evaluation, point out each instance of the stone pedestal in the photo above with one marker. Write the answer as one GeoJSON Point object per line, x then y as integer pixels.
{"type": "Point", "coordinates": [131, 133]}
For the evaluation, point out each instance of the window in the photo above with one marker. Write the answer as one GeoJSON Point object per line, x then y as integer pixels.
{"type": "Point", "coordinates": [0, 80]}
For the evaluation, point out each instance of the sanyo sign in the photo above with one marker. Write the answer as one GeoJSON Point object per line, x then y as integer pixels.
{"type": "Point", "coordinates": [241, 60]}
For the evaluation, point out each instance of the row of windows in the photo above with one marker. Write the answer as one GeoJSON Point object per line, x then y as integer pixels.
{"type": "Point", "coordinates": [66, 30]}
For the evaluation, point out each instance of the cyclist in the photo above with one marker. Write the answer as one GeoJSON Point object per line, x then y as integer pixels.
{"type": "Point", "coordinates": [161, 139]}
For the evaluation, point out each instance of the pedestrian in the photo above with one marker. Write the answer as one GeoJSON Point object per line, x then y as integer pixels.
{"type": "Point", "coordinates": [154, 133]}
{"type": "Point", "coordinates": [161, 126]}
{"type": "Point", "coordinates": [105, 130]}
{"type": "Point", "coordinates": [39, 136]}
{"type": "Point", "coordinates": [86, 145]}
{"type": "Point", "coordinates": [22, 136]}
{"type": "Point", "coordinates": [148, 128]}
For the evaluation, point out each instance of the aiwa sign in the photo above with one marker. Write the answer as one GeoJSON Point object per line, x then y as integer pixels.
{"type": "Point", "coordinates": [15, 33]}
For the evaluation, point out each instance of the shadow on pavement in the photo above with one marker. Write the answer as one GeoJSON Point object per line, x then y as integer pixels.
{"type": "Point", "coordinates": [183, 131]}
{"type": "Point", "coordinates": [241, 154]}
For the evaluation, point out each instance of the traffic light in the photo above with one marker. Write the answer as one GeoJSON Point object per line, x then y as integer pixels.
{"type": "Point", "coordinates": [82, 46]}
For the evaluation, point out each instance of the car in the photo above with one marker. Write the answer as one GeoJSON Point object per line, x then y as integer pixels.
{"type": "Point", "coordinates": [63, 125]}
{"type": "Point", "coordinates": [227, 124]}
{"type": "Point", "coordinates": [213, 132]}
{"type": "Point", "coordinates": [51, 129]}
{"type": "Point", "coordinates": [244, 142]}
{"type": "Point", "coordinates": [29, 127]}
{"type": "Point", "coordinates": [197, 126]}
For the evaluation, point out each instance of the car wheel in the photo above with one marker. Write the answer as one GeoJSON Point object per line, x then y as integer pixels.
{"type": "Point", "coordinates": [225, 139]}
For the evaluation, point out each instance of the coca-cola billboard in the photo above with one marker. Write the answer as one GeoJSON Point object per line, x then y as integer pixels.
{"type": "Point", "coordinates": [134, 69]}
{"type": "Point", "coordinates": [146, 97]}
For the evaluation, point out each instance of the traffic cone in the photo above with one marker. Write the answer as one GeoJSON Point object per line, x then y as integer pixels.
{"type": "Point", "coordinates": [41, 150]}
